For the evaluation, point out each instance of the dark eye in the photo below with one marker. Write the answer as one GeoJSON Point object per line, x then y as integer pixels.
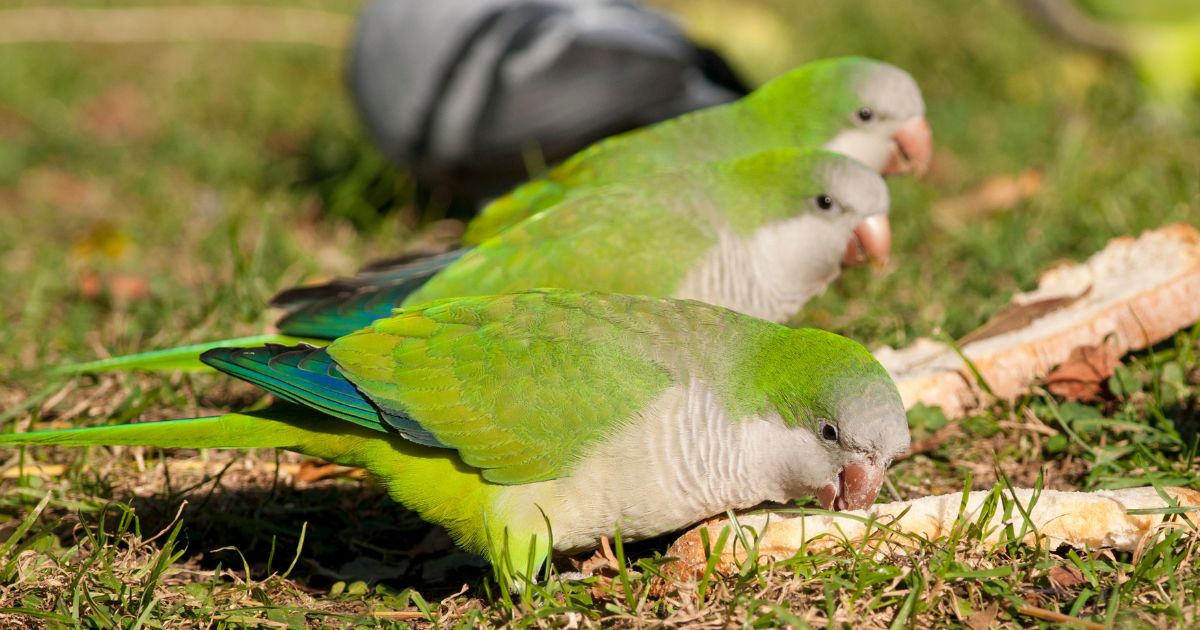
{"type": "Point", "coordinates": [823, 202]}
{"type": "Point", "coordinates": [865, 114]}
{"type": "Point", "coordinates": [828, 431]}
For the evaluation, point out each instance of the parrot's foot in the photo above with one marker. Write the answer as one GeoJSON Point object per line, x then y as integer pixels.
{"type": "Point", "coordinates": [602, 563]}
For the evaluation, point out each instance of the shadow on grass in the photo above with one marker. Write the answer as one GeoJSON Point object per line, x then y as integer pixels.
{"type": "Point", "coordinates": [354, 533]}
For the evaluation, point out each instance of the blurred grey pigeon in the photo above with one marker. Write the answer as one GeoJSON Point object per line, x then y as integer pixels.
{"type": "Point", "coordinates": [472, 95]}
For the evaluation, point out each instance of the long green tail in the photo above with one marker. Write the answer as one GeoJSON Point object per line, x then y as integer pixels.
{"type": "Point", "coordinates": [185, 358]}
{"type": "Point", "coordinates": [280, 426]}
{"type": "Point", "coordinates": [429, 480]}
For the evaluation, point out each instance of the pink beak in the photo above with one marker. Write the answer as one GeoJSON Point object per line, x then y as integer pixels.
{"type": "Point", "coordinates": [914, 148]}
{"type": "Point", "coordinates": [872, 241]}
{"type": "Point", "coordinates": [855, 487]}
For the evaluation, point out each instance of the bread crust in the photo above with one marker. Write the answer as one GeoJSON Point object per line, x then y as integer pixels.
{"type": "Point", "coordinates": [1130, 295]}
{"type": "Point", "coordinates": [1092, 520]}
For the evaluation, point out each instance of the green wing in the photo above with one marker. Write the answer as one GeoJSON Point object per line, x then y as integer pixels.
{"type": "Point", "coordinates": [523, 202]}
{"type": "Point", "coordinates": [522, 385]}
{"type": "Point", "coordinates": [639, 241]}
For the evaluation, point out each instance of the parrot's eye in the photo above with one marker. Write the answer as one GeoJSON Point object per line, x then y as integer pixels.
{"type": "Point", "coordinates": [865, 114]}
{"type": "Point", "coordinates": [828, 431]}
{"type": "Point", "coordinates": [824, 203]}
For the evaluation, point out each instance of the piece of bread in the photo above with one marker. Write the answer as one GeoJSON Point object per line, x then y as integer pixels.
{"type": "Point", "coordinates": [1075, 519]}
{"type": "Point", "coordinates": [1132, 294]}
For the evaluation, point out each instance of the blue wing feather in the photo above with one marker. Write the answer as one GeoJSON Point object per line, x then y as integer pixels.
{"type": "Point", "coordinates": [308, 376]}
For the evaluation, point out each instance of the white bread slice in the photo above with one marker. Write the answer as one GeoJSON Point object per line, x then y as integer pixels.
{"type": "Point", "coordinates": [1076, 519]}
{"type": "Point", "coordinates": [1130, 295]}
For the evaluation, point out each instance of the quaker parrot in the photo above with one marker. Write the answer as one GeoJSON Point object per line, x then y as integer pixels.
{"type": "Point", "coordinates": [865, 109]}
{"type": "Point", "coordinates": [760, 234]}
{"type": "Point", "coordinates": [518, 419]}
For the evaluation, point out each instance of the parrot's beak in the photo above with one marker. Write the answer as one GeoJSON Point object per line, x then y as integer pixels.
{"type": "Point", "coordinates": [913, 148]}
{"type": "Point", "coordinates": [872, 241]}
{"type": "Point", "coordinates": [855, 487]}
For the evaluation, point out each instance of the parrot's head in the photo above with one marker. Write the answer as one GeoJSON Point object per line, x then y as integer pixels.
{"type": "Point", "coordinates": [842, 204]}
{"type": "Point", "coordinates": [855, 198]}
{"type": "Point", "coordinates": [847, 408]}
{"type": "Point", "coordinates": [862, 108]}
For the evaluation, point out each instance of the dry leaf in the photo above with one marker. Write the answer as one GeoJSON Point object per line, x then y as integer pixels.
{"type": "Point", "coordinates": [994, 195]}
{"type": "Point", "coordinates": [1065, 577]}
{"type": "Point", "coordinates": [983, 619]}
{"type": "Point", "coordinates": [1082, 376]}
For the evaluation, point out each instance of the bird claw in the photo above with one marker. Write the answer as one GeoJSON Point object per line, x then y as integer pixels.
{"type": "Point", "coordinates": [603, 561]}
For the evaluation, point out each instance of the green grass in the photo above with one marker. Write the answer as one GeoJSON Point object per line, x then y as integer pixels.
{"type": "Point", "coordinates": [219, 173]}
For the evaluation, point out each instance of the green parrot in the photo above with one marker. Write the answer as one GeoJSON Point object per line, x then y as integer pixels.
{"type": "Point", "coordinates": [540, 421]}
{"type": "Point", "coordinates": [865, 109]}
{"type": "Point", "coordinates": [760, 234]}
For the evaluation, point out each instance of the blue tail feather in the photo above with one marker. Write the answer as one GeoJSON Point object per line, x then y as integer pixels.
{"type": "Point", "coordinates": [342, 314]}
{"type": "Point", "coordinates": [344, 305]}
{"type": "Point", "coordinates": [308, 376]}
